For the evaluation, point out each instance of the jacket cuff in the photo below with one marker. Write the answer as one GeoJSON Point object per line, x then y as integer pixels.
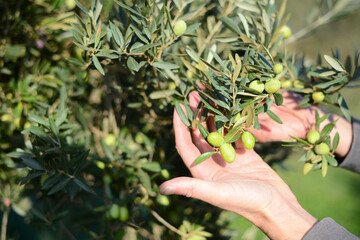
{"type": "Point", "coordinates": [328, 229]}
{"type": "Point", "coordinates": [352, 159]}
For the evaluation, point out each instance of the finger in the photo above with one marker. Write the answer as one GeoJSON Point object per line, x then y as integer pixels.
{"type": "Point", "coordinates": [183, 141]}
{"type": "Point", "coordinates": [195, 188]}
{"type": "Point", "coordinates": [189, 152]}
{"type": "Point", "coordinates": [194, 100]}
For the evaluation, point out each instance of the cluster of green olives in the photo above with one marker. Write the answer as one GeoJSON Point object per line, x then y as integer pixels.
{"type": "Point", "coordinates": [227, 151]}
{"type": "Point", "coordinates": [320, 148]}
{"type": "Point", "coordinates": [118, 212]}
{"type": "Point", "coordinates": [270, 86]}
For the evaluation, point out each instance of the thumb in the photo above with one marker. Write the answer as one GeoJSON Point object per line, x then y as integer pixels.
{"type": "Point", "coordinates": [190, 187]}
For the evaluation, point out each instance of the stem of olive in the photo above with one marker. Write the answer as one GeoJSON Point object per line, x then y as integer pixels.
{"type": "Point", "coordinates": [5, 218]}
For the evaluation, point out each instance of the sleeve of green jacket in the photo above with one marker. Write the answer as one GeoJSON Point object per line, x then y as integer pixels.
{"type": "Point", "coordinates": [328, 229]}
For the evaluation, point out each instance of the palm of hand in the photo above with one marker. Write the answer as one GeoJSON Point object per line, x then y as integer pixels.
{"type": "Point", "coordinates": [248, 179]}
{"type": "Point", "coordinates": [296, 121]}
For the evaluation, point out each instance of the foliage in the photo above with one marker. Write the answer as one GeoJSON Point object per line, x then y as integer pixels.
{"type": "Point", "coordinates": [87, 96]}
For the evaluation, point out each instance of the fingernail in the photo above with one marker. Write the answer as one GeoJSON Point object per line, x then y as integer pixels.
{"type": "Point", "coordinates": [167, 190]}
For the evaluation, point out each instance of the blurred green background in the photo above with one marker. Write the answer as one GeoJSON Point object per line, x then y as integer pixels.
{"type": "Point", "coordinates": [338, 194]}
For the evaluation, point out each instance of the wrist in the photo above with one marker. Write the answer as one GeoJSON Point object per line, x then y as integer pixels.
{"type": "Point", "coordinates": [285, 219]}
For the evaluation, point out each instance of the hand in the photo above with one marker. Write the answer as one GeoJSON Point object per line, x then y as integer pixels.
{"type": "Point", "coordinates": [298, 122]}
{"type": "Point", "coordinates": [248, 186]}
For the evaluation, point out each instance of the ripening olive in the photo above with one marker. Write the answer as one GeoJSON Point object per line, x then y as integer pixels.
{"type": "Point", "coordinates": [257, 86]}
{"type": "Point", "coordinates": [110, 140]}
{"type": "Point", "coordinates": [313, 136]}
{"type": "Point", "coordinates": [114, 211]}
{"type": "Point", "coordinates": [307, 168]}
{"type": "Point", "coordinates": [228, 152]}
{"type": "Point", "coordinates": [322, 149]}
{"type": "Point", "coordinates": [163, 200]}
{"type": "Point", "coordinates": [248, 140]}
{"type": "Point", "coordinates": [278, 68]}
{"type": "Point", "coordinates": [318, 96]}
{"type": "Point", "coordinates": [215, 139]}
{"type": "Point", "coordinates": [299, 84]}
{"type": "Point", "coordinates": [286, 83]}
{"type": "Point", "coordinates": [180, 27]}
{"type": "Point", "coordinates": [123, 214]}
{"type": "Point", "coordinates": [272, 85]}
{"type": "Point", "coordinates": [286, 31]}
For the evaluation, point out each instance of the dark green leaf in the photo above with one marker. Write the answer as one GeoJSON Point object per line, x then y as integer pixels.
{"type": "Point", "coordinates": [332, 161]}
{"type": "Point", "coordinates": [151, 166]}
{"type": "Point", "coordinates": [83, 185]}
{"type": "Point", "coordinates": [319, 120]}
{"type": "Point", "coordinates": [61, 185]}
{"type": "Point", "coordinates": [182, 115]}
{"type": "Point", "coordinates": [327, 129]}
{"type": "Point", "coordinates": [203, 157]}
{"type": "Point", "coordinates": [118, 37]}
{"type": "Point", "coordinates": [204, 132]}
{"type": "Point", "coordinates": [165, 65]}
{"type": "Point", "coordinates": [335, 142]}
{"type": "Point", "coordinates": [344, 107]}
{"type": "Point", "coordinates": [145, 179]}
{"type": "Point", "coordinates": [50, 181]}
{"type": "Point", "coordinates": [97, 64]}
{"type": "Point", "coordinates": [38, 119]}
{"type": "Point", "coordinates": [231, 24]}
{"type": "Point", "coordinates": [32, 163]}
{"type": "Point", "coordinates": [123, 5]}
{"type": "Point", "coordinates": [273, 116]}
{"type": "Point", "coordinates": [278, 99]}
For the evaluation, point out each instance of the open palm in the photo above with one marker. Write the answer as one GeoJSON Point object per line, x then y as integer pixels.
{"type": "Point", "coordinates": [296, 121]}
{"type": "Point", "coordinates": [248, 186]}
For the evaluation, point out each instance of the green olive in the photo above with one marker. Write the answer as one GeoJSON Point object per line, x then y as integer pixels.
{"type": "Point", "coordinates": [228, 152]}
{"type": "Point", "coordinates": [299, 84]}
{"type": "Point", "coordinates": [257, 85]}
{"type": "Point", "coordinates": [286, 31]}
{"type": "Point", "coordinates": [215, 139]}
{"type": "Point", "coordinates": [248, 140]}
{"type": "Point", "coordinates": [278, 68]}
{"type": "Point", "coordinates": [322, 149]}
{"type": "Point", "coordinates": [313, 136]}
{"type": "Point", "coordinates": [318, 96]}
{"type": "Point", "coordinates": [307, 168]}
{"type": "Point", "coordinates": [110, 140]}
{"type": "Point", "coordinates": [180, 27]}
{"type": "Point", "coordinates": [165, 173]}
{"type": "Point", "coordinates": [114, 211]}
{"type": "Point", "coordinates": [286, 83]}
{"type": "Point", "coordinates": [163, 200]}
{"type": "Point", "coordinates": [123, 214]}
{"type": "Point", "coordinates": [272, 85]}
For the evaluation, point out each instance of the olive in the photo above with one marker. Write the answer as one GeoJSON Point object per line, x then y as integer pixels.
{"type": "Point", "coordinates": [322, 149]}
{"type": "Point", "coordinates": [215, 139]}
{"type": "Point", "coordinates": [299, 84]}
{"type": "Point", "coordinates": [228, 152]}
{"type": "Point", "coordinates": [180, 27]}
{"type": "Point", "coordinates": [286, 31]}
{"type": "Point", "coordinates": [318, 96]}
{"type": "Point", "coordinates": [286, 83]}
{"type": "Point", "coordinates": [248, 140]}
{"type": "Point", "coordinates": [272, 85]}
{"type": "Point", "coordinates": [278, 68]}
{"type": "Point", "coordinates": [123, 214]}
{"type": "Point", "coordinates": [313, 136]}
{"type": "Point", "coordinates": [257, 85]}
